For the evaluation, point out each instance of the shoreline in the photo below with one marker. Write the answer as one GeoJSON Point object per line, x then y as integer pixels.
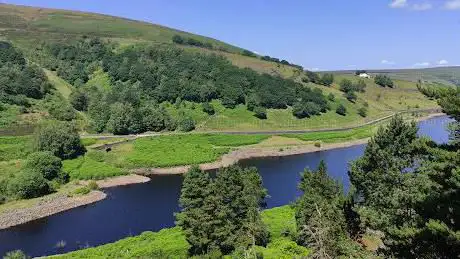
{"type": "Point", "coordinates": [60, 202]}
{"type": "Point", "coordinates": [51, 205]}
{"type": "Point", "coordinates": [244, 153]}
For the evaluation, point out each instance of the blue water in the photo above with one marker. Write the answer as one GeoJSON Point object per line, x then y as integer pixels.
{"type": "Point", "coordinates": [131, 210]}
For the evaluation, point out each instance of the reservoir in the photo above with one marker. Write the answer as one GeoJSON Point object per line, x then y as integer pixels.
{"type": "Point", "coordinates": [131, 210]}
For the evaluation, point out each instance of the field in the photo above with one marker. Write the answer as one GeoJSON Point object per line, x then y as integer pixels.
{"type": "Point", "coordinates": [436, 75]}
{"type": "Point", "coordinates": [171, 243]}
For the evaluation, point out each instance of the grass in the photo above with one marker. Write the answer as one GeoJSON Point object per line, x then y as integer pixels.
{"type": "Point", "coordinates": [91, 167]}
{"type": "Point", "coordinates": [167, 151]}
{"type": "Point", "coordinates": [88, 142]}
{"type": "Point", "coordinates": [12, 148]}
{"type": "Point", "coordinates": [171, 243]}
{"type": "Point", "coordinates": [64, 88]}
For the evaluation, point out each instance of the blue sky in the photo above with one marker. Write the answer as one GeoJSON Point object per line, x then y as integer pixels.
{"type": "Point", "coordinates": [318, 34]}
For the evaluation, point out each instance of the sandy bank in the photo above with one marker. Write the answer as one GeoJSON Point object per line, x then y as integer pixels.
{"type": "Point", "coordinates": [47, 206]}
{"type": "Point", "coordinates": [122, 181]}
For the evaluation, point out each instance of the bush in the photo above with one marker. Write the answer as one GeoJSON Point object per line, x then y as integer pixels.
{"type": "Point", "coordinates": [62, 111]}
{"type": "Point", "coordinates": [208, 108]}
{"type": "Point", "coordinates": [331, 97]}
{"type": "Point", "coordinates": [384, 81]}
{"type": "Point", "coordinates": [92, 185]}
{"type": "Point", "coordinates": [318, 144]}
{"type": "Point", "coordinates": [327, 79]}
{"type": "Point", "coordinates": [341, 110]}
{"type": "Point", "coordinates": [178, 39]}
{"type": "Point", "coordinates": [79, 100]}
{"type": "Point", "coordinates": [45, 163]}
{"type": "Point", "coordinates": [351, 96]}
{"type": "Point", "coordinates": [18, 254]}
{"type": "Point", "coordinates": [82, 191]}
{"type": "Point", "coordinates": [260, 112]}
{"type": "Point", "coordinates": [186, 124]}
{"type": "Point", "coordinates": [59, 138]}
{"type": "Point", "coordinates": [28, 184]}
{"type": "Point", "coordinates": [362, 112]}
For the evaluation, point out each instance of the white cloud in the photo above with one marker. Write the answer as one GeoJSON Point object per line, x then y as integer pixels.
{"type": "Point", "coordinates": [398, 3]}
{"type": "Point", "coordinates": [388, 62]}
{"type": "Point", "coordinates": [422, 64]}
{"type": "Point", "coordinates": [443, 62]}
{"type": "Point", "coordinates": [422, 7]}
{"type": "Point", "coordinates": [452, 5]}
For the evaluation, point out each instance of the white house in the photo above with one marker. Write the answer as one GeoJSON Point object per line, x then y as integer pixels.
{"type": "Point", "coordinates": [364, 75]}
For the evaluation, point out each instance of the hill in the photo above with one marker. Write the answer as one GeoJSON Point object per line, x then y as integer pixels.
{"type": "Point", "coordinates": [99, 65]}
{"type": "Point", "coordinates": [437, 75]}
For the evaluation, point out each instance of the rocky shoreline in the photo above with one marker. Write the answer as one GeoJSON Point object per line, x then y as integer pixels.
{"type": "Point", "coordinates": [47, 207]}
{"type": "Point", "coordinates": [60, 202]}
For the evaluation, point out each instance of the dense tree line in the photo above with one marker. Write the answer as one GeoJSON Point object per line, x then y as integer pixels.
{"type": "Point", "coordinates": [147, 76]}
{"type": "Point", "coordinates": [277, 60]}
{"type": "Point", "coordinates": [325, 79]}
{"type": "Point", "coordinates": [191, 42]}
{"type": "Point", "coordinates": [221, 214]}
{"type": "Point", "coordinates": [19, 80]}
{"type": "Point", "coordinates": [384, 81]}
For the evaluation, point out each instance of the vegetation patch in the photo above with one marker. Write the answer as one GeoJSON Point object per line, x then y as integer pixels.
{"type": "Point", "coordinates": [86, 168]}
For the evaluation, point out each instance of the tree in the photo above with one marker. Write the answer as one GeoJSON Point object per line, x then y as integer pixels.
{"type": "Point", "coordinates": [346, 86]}
{"type": "Point", "coordinates": [99, 112]}
{"type": "Point", "coordinates": [260, 112]}
{"type": "Point", "coordinates": [178, 39]}
{"type": "Point", "coordinates": [196, 216]}
{"type": "Point", "coordinates": [186, 124]}
{"type": "Point", "coordinates": [17, 254]}
{"type": "Point", "coordinates": [362, 112]}
{"type": "Point", "coordinates": [384, 81]}
{"type": "Point", "coordinates": [153, 118]}
{"type": "Point", "coordinates": [341, 110]}
{"type": "Point", "coordinates": [124, 119]}
{"type": "Point", "coordinates": [79, 100]}
{"type": "Point", "coordinates": [222, 213]}
{"type": "Point", "coordinates": [351, 96]}
{"type": "Point", "coordinates": [46, 164]}
{"type": "Point", "coordinates": [327, 79]}
{"type": "Point", "coordinates": [59, 138]}
{"type": "Point", "coordinates": [61, 110]}
{"type": "Point", "coordinates": [208, 108]}
{"type": "Point", "coordinates": [320, 219]}
{"type": "Point", "coordinates": [28, 184]}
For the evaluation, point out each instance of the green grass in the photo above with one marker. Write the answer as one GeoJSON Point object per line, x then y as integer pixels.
{"type": "Point", "coordinates": [12, 148]}
{"type": "Point", "coordinates": [28, 24]}
{"type": "Point", "coordinates": [171, 243]}
{"type": "Point", "coordinates": [167, 151]}
{"type": "Point", "coordinates": [338, 136]}
{"type": "Point", "coordinates": [229, 140]}
{"type": "Point", "coordinates": [64, 88]}
{"type": "Point", "coordinates": [88, 142]}
{"type": "Point", "coordinates": [91, 167]}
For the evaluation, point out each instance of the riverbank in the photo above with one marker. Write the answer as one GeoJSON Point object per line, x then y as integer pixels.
{"type": "Point", "coordinates": [256, 151]}
{"type": "Point", "coordinates": [29, 210]}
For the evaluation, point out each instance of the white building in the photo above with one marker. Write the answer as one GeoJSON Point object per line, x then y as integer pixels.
{"type": "Point", "coordinates": [364, 75]}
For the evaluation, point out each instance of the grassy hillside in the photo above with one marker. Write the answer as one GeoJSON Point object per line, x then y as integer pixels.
{"type": "Point", "coordinates": [440, 75]}
{"type": "Point", "coordinates": [25, 24]}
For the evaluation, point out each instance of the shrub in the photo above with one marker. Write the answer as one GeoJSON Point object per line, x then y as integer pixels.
{"type": "Point", "coordinates": [351, 96]}
{"type": "Point", "coordinates": [17, 254]}
{"type": "Point", "coordinates": [62, 111]}
{"type": "Point", "coordinates": [92, 185]}
{"type": "Point", "coordinates": [331, 97]}
{"type": "Point", "coordinates": [186, 124]}
{"type": "Point", "coordinates": [208, 108]}
{"type": "Point", "coordinates": [317, 144]}
{"type": "Point", "coordinates": [384, 81]}
{"type": "Point", "coordinates": [341, 110]}
{"type": "Point", "coordinates": [362, 112]}
{"type": "Point", "coordinates": [45, 163]}
{"type": "Point", "coordinates": [28, 184]}
{"type": "Point", "coordinates": [82, 191]}
{"type": "Point", "coordinates": [178, 39]}
{"type": "Point", "coordinates": [260, 112]}
{"type": "Point", "coordinates": [59, 138]}
{"type": "Point", "coordinates": [79, 100]}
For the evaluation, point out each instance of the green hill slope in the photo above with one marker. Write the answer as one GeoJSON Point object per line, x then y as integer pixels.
{"type": "Point", "coordinates": [25, 24]}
